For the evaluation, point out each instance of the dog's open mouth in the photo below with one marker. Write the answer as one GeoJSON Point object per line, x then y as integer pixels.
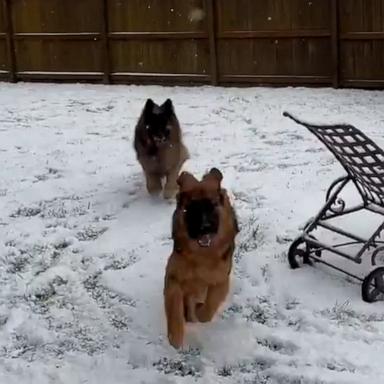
{"type": "Point", "coordinates": [205, 240]}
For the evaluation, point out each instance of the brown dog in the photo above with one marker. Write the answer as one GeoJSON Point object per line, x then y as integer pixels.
{"type": "Point", "coordinates": [159, 147]}
{"type": "Point", "coordinates": [197, 274]}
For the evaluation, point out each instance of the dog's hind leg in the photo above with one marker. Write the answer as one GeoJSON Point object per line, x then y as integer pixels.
{"type": "Point", "coordinates": [215, 296]}
{"type": "Point", "coordinates": [174, 310]}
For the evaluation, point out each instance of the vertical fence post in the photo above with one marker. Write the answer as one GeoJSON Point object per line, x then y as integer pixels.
{"type": "Point", "coordinates": [211, 24]}
{"type": "Point", "coordinates": [335, 43]}
{"type": "Point", "coordinates": [10, 40]}
{"type": "Point", "coordinates": [105, 43]}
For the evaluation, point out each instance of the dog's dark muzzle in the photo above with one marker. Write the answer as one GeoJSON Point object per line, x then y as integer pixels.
{"type": "Point", "coordinates": [202, 221]}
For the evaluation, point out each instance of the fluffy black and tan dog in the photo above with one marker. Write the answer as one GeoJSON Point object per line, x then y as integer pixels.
{"type": "Point", "coordinates": [159, 147]}
{"type": "Point", "coordinates": [197, 274]}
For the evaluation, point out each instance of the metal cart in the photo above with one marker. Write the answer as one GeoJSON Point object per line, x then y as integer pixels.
{"type": "Point", "coordinates": [363, 162]}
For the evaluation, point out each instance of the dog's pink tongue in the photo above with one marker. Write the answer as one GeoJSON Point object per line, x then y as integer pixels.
{"type": "Point", "coordinates": [205, 241]}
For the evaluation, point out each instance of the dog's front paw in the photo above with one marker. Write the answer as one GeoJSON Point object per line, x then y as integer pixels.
{"type": "Point", "coordinates": [170, 193]}
{"type": "Point", "coordinates": [154, 190]}
{"type": "Point", "coordinates": [175, 340]}
{"type": "Point", "coordinates": [153, 184]}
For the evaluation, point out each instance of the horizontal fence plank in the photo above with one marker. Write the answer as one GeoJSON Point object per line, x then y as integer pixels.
{"type": "Point", "coordinates": [272, 34]}
{"type": "Point", "coordinates": [156, 35]}
{"type": "Point", "coordinates": [378, 83]}
{"type": "Point", "coordinates": [277, 79]}
{"type": "Point", "coordinates": [58, 36]}
{"type": "Point", "coordinates": [51, 75]}
{"type": "Point", "coordinates": [164, 75]}
{"type": "Point", "coordinates": [362, 36]}
{"type": "Point", "coordinates": [63, 73]}
{"type": "Point", "coordinates": [159, 78]}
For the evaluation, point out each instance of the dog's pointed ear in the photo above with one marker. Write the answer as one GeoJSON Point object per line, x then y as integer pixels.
{"type": "Point", "coordinates": [148, 107]}
{"type": "Point", "coordinates": [167, 108]}
{"type": "Point", "coordinates": [186, 181]}
{"type": "Point", "coordinates": [215, 175]}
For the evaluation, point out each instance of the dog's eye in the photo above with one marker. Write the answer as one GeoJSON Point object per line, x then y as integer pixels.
{"type": "Point", "coordinates": [147, 127]}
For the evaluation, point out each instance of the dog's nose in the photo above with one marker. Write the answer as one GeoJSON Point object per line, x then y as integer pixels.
{"type": "Point", "coordinates": [205, 224]}
{"type": "Point", "coordinates": [160, 139]}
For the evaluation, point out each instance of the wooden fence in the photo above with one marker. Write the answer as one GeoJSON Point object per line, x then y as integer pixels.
{"type": "Point", "coordinates": [284, 42]}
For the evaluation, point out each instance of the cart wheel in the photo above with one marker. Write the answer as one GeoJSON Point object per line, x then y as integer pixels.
{"type": "Point", "coordinates": [317, 249]}
{"type": "Point", "coordinates": [294, 252]}
{"type": "Point", "coordinates": [378, 253]}
{"type": "Point", "coordinates": [372, 288]}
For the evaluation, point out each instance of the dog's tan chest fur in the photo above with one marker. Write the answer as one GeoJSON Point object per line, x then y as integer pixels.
{"type": "Point", "coordinates": [166, 160]}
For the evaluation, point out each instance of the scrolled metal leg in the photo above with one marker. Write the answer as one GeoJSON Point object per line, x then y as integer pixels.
{"type": "Point", "coordinates": [339, 204]}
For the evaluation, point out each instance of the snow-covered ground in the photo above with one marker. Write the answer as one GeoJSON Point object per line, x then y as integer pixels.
{"type": "Point", "coordinates": [83, 248]}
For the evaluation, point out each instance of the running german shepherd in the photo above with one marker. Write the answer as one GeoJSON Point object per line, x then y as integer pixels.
{"type": "Point", "coordinates": [204, 228]}
{"type": "Point", "coordinates": [159, 147]}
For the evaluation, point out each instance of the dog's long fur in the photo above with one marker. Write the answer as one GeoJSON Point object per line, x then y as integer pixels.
{"type": "Point", "coordinates": [162, 160]}
{"type": "Point", "coordinates": [197, 278]}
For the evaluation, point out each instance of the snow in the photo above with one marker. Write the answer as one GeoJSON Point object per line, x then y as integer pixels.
{"type": "Point", "coordinates": [83, 248]}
